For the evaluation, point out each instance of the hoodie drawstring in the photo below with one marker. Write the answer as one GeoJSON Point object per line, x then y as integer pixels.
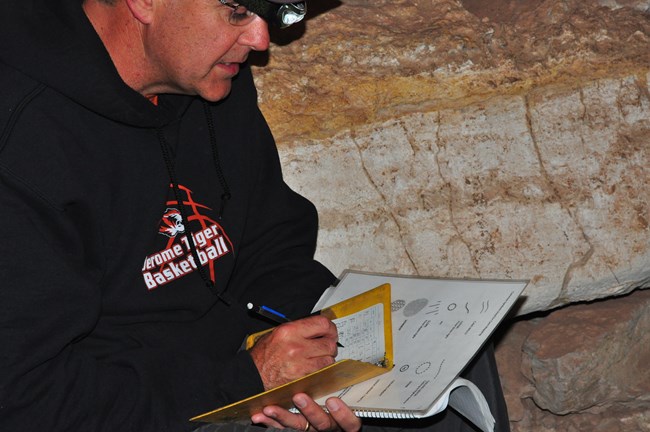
{"type": "Point", "coordinates": [225, 196]}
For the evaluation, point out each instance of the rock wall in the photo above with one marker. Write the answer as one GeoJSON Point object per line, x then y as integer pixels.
{"type": "Point", "coordinates": [581, 368]}
{"type": "Point", "coordinates": [503, 139]}
{"type": "Point", "coordinates": [464, 140]}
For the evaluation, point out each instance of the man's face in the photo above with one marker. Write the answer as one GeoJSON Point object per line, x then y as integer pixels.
{"type": "Point", "coordinates": [193, 49]}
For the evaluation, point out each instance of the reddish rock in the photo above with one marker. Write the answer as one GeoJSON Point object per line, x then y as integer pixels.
{"type": "Point", "coordinates": [508, 353]}
{"type": "Point", "coordinates": [590, 357]}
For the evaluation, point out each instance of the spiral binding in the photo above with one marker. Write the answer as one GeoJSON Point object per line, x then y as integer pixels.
{"type": "Point", "coordinates": [385, 414]}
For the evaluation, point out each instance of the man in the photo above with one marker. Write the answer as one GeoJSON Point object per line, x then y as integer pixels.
{"type": "Point", "coordinates": [142, 206]}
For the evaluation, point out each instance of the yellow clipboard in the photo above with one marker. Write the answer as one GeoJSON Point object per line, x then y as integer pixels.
{"type": "Point", "coordinates": [339, 375]}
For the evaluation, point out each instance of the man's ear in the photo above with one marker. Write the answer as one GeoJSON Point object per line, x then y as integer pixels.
{"type": "Point", "coordinates": [142, 10]}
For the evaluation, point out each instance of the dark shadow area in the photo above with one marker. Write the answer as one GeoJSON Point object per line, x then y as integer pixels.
{"type": "Point", "coordinates": [258, 58]}
{"type": "Point", "coordinates": [284, 37]}
{"type": "Point", "coordinates": [516, 307]}
{"type": "Point", "coordinates": [511, 319]}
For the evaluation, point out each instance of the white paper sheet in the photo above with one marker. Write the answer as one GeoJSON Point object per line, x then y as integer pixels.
{"type": "Point", "coordinates": [438, 326]}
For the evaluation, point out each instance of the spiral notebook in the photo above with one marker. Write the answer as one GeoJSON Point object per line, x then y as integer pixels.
{"type": "Point", "coordinates": [438, 327]}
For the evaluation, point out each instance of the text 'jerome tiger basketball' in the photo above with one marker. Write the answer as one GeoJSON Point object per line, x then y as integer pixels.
{"type": "Point", "coordinates": [176, 260]}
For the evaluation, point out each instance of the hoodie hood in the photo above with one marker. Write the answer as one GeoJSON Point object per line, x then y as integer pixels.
{"type": "Point", "coordinates": [53, 42]}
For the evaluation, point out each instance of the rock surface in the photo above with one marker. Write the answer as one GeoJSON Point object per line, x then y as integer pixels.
{"type": "Point", "coordinates": [583, 367]}
{"type": "Point", "coordinates": [501, 139]}
{"type": "Point", "coordinates": [457, 139]}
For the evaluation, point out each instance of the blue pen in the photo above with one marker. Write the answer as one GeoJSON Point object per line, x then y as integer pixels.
{"type": "Point", "coordinates": [269, 313]}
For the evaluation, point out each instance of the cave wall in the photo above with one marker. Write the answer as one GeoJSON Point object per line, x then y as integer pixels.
{"type": "Point", "coordinates": [436, 137]}
{"type": "Point", "coordinates": [504, 139]}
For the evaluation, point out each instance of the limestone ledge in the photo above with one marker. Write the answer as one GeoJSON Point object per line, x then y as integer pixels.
{"type": "Point", "coordinates": [446, 138]}
{"type": "Point", "coordinates": [356, 62]}
{"type": "Point", "coordinates": [550, 186]}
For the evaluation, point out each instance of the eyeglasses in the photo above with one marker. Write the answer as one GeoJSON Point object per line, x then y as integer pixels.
{"type": "Point", "coordinates": [281, 15]}
{"type": "Point", "coordinates": [239, 15]}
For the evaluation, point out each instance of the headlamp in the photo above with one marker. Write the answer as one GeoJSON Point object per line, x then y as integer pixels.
{"type": "Point", "coordinates": [281, 13]}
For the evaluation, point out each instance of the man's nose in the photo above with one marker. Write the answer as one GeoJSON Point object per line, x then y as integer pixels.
{"type": "Point", "coordinates": [256, 35]}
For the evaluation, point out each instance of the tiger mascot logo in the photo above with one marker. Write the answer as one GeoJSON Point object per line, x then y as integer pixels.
{"type": "Point", "coordinates": [171, 223]}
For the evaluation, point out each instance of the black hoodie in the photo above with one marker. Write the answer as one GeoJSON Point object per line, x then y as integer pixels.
{"type": "Point", "coordinates": [105, 322]}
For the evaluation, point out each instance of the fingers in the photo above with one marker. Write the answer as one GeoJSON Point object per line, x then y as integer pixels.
{"type": "Point", "coordinates": [263, 419]}
{"type": "Point", "coordinates": [343, 415]}
{"type": "Point", "coordinates": [339, 418]}
{"type": "Point", "coordinates": [295, 349]}
{"type": "Point", "coordinates": [316, 328]}
{"type": "Point", "coordinates": [276, 417]}
{"type": "Point", "coordinates": [305, 342]}
{"type": "Point", "coordinates": [317, 417]}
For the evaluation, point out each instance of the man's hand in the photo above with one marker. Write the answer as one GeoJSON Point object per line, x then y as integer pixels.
{"type": "Point", "coordinates": [295, 349]}
{"type": "Point", "coordinates": [312, 417]}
